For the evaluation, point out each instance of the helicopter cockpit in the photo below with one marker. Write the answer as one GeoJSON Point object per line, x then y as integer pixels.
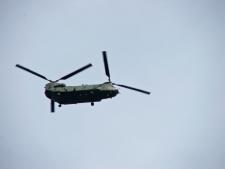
{"type": "Point", "coordinates": [54, 85]}
{"type": "Point", "coordinates": [59, 85]}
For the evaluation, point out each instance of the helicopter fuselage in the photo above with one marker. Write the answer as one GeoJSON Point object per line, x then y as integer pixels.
{"type": "Point", "coordinates": [62, 94]}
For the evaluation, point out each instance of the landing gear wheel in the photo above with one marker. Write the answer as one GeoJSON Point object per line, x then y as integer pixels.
{"type": "Point", "coordinates": [60, 105]}
{"type": "Point", "coordinates": [92, 103]}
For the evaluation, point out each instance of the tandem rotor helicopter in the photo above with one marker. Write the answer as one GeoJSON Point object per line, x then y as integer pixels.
{"type": "Point", "coordinates": [62, 94]}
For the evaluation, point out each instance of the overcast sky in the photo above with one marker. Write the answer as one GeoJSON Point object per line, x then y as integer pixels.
{"type": "Point", "coordinates": [173, 48]}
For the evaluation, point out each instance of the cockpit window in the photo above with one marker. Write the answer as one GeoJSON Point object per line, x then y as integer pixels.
{"type": "Point", "coordinates": [60, 85]}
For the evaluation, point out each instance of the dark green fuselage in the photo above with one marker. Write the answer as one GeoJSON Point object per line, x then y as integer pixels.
{"type": "Point", "coordinates": [63, 94]}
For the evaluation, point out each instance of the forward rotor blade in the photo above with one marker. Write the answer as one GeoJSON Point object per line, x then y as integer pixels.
{"type": "Point", "coordinates": [52, 106]}
{"type": "Point", "coordinates": [31, 71]}
{"type": "Point", "coordinates": [106, 64]}
{"type": "Point", "coordinates": [132, 88]}
{"type": "Point", "coordinates": [75, 72]}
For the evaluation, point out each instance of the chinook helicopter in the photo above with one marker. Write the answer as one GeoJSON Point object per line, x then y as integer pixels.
{"type": "Point", "coordinates": [62, 94]}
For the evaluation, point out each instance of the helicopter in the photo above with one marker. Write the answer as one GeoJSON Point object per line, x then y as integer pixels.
{"type": "Point", "coordinates": [62, 94]}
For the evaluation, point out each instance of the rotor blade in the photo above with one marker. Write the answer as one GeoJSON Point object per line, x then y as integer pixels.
{"type": "Point", "coordinates": [106, 64]}
{"type": "Point", "coordinates": [52, 106]}
{"type": "Point", "coordinates": [132, 88]}
{"type": "Point", "coordinates": [75, 72]}
{"type": "Point", "coordinates": [31, 71]}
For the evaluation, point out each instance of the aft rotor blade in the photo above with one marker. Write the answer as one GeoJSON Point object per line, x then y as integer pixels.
{"type": "Point", "coordinates": [106, 64]}
{"type": "Point", "coordinates": [31, 71]}
{"type": "Point", "coordinates": [75, 72]}
{"type": "Point", "coordinates": [132, 88]}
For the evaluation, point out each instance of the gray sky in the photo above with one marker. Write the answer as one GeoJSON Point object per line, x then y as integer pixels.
{"type": "Point", "coordinates": [174, 48]}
